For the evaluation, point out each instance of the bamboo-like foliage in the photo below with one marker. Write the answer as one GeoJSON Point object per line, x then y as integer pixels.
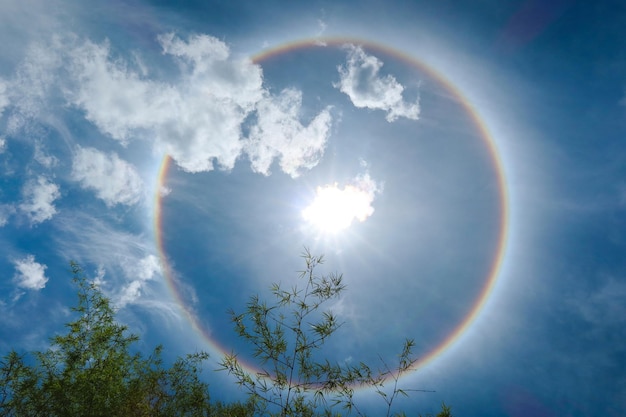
{"type": "Point", "coordinates": [92, 371]}
{"type": "Point", "coordinates": [287, 337]}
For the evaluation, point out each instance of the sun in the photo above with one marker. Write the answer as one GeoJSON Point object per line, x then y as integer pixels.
{"type": "Point", "coordinates": [334, 210]}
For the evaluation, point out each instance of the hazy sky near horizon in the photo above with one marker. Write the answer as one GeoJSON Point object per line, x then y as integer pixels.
{"type": "Point", "coordinates": [463, 165]}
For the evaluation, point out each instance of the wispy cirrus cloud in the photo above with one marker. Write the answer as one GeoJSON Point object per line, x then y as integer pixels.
{"type": "Point", "coordinates": [39, 196]}
{"type": "Point", "coordinates": [360, 79]}
{"type": "Point", "coordinates": [34, 85]}
{"type": "Point", "coordinates": [114, 180]}
{"type": "Point", "coordinates": [126, 267]}
{"type": "Point", "coordinates": [29, 274]}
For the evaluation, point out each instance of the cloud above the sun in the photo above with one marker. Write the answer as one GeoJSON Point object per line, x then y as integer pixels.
{"type": "Point", "coordinates": [279, 134]}
{"type": "Point", "coordinates": [335, 208]}
{"type": "Point", "coordinates": [196, 118]}
{"type": "Point", "coordinates": [213, 112]}
{"type": "Point", "coordinates": [361, 80]}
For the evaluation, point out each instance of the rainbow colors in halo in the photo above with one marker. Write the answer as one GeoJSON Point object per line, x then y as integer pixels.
{"type": "Point", "coordinates": [503, 221]}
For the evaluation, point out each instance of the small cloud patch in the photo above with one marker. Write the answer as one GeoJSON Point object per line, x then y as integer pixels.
{"type": "Point", "coordinates": [30, 274]}
{"type": "Point", "coordinates": [39, 196]}
{"type": "Point", "coordinates": [114, 180]}
{"type": "Point", "coordinates": [360, 79]}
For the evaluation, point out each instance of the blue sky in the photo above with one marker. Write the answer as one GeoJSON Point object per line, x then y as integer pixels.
{"type": "Point", "coordinates": [422, 123]}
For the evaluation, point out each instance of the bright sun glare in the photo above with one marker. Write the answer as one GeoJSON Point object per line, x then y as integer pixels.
{"type": "Point", "coordinates": [334, 209]}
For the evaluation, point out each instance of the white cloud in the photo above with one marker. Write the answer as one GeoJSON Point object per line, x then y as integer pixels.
{"type": "Point", "coordinates": [196, 117]}
{"type": "Point", "coordinates": [360, 80]}
{"type": "Point", "coordinates": [322, 26]}
{"type": "Point", "coordinates": [129, 294]}
{"type": "Point", "coordinates": [139, 273]}
{"type": "Point", "coordinates": [114, 98]}
{"type": "Point", "coordinates": [114, 180]}
{"type": "Point", "coordinates": [211, 72]}
{"type": "Point", "coordinates": [279, 134]}
{"type": "Point", "coordinates": [197, 120]}
{"type": "Point", "coordinates": [29, 274]}
{"type": "Point", "coordinates": [34, 82]}
{"type": "Point", "coordinates": [3, 144]}
{"type": "Point", "coordinates": [100, 274]}
{"type": "Point", "coordinates": [145, 269]}
{"type": "Point", "coordinates": [39, 197]}
{"type": "Point", "coordinates": [164, 191]}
